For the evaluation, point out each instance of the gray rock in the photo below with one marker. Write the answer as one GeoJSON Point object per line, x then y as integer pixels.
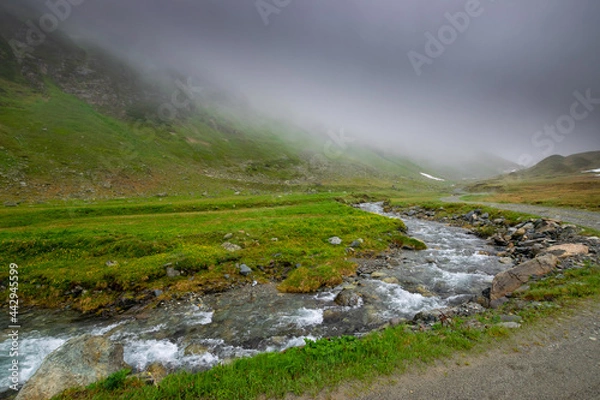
{"type": "Point", "coordinates": [172, 272]}
{"type": "Point", "coordinates": [10, 204]}
{"type": "Point", "coordinates": [79, 362]}
{"type": "Point", "coordinates": [519, 233]}
{"type": "Point", "coordinates": [347, 298]}
{"type": "Point", "coordinates": [228, 236]}
{"type": "Point", "coordinates": [335, 240]}
{"type": "Point", "coordinates": [378, 275]}
{"type": "Point", "coordinates": [465, 310]}
{"type": "Point", "coordinates": [498, 302]}
{"type": "Point", "coordinates": [245, 270]}
{"type": "Point", "coordinates": [111, 263]}
{"type": "Point", "coordinates": [427, 316]}
{"type": "Point", "coordinates": [157, 292]}
{"type": "Point", "coordinates": [231, 247]}
{"type": "Point", "coordinates": [356, 243]}
{"type": "Point", "coordinates": [332, 316]}
{"type": "Point", "coordinates": [505, 260]}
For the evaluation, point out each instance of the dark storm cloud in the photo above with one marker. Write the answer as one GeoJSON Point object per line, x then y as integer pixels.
{"type": "Point", "coordinates": [498, 80]}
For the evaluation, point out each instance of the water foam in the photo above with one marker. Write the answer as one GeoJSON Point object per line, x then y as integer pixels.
{"type": "Point", "coordinates": [303, 317]}
{"type": "Point", "coordinates": [32, 352]}
{"type": "Point", "coordinates": [405, 303]}
{"type": "Point", "coordinates": [101, 330]}
{"type": "Point", "coordinates": [201, 318]}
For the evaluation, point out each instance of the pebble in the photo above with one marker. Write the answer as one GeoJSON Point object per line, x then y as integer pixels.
{"type": "Point", "coordinates": [245, 270]}
{"type": "Point", "coordinates": [334, 240]}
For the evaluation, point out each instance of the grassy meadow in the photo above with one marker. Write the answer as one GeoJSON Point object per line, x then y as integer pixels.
{"type": "Point", "coordinates": [62, 246]}
{"type": "Point", "coordinates": [62, 251]}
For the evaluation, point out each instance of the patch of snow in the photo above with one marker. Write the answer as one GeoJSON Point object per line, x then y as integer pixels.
{"type": "Point", "coordinates": [431, 177]}
{"type": "Point", "coordinates": [592, 171]}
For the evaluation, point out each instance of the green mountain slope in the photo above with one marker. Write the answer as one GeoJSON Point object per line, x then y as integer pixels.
{"type": "Point", "coordinates": [55, 145]}
{"type": "Point", "coordinates": [78, 122]}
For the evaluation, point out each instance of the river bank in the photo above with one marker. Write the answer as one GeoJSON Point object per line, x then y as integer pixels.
{"type": "Point", "coordinates": [402, 287]}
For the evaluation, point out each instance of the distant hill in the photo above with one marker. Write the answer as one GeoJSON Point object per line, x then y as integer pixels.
{"type": "Point", "coordinates": [557, 165]}
{"type": "Point", "coordinates": [552, 170]}
{"type": "Point", "coordinates": [572, 181]}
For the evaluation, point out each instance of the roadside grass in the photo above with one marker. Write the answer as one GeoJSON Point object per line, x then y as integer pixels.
{"type": "Point", "coordinates": [328, 362]}
{"type": "Point", "coordinates": [62, 253]}
{"type": "Point", "coordinates": [581, 192]}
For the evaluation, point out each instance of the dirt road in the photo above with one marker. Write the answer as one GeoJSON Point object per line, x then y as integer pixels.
{"type": "Point", "coordinates": [551, 360]}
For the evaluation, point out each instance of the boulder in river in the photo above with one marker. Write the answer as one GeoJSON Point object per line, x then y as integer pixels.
{"type": "Point", "coordinates": [347, 298]}
{"type": "Point", "coordinates": [511, 279]}
{"type": "Point", "coordinates": [79, 362]}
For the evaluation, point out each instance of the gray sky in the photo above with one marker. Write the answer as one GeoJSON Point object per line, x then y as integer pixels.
{"type": "Point", "coordinates": [491, 82]}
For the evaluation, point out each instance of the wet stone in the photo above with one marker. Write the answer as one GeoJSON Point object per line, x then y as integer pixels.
{"type": "Point", "coordinates": [245, 270]}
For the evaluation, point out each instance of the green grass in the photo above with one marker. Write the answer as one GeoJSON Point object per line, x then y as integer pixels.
{"type": "Point", "coordinates": [574, 283]}
{"type": "Point", "coordinates": [58, 249]}
{"type": "Point", "coordinates": [326, 363]}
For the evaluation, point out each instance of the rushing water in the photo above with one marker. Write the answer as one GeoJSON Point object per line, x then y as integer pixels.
{"type": "Point", "coordinates": [246, 321]}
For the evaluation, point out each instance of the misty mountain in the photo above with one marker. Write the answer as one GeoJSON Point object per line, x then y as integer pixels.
{"type": "Point", "coordinates": [78, 121]}
{"type": "Point", "coordinates": [99, 120]}
{"type": "Point", "coordinates": [478, 165]}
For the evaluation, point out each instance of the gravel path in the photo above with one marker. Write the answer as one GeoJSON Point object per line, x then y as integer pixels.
{"type": "Point", "coordinates": [551, 360]}
{"type": "Point", "coordinates": [589, 219]}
